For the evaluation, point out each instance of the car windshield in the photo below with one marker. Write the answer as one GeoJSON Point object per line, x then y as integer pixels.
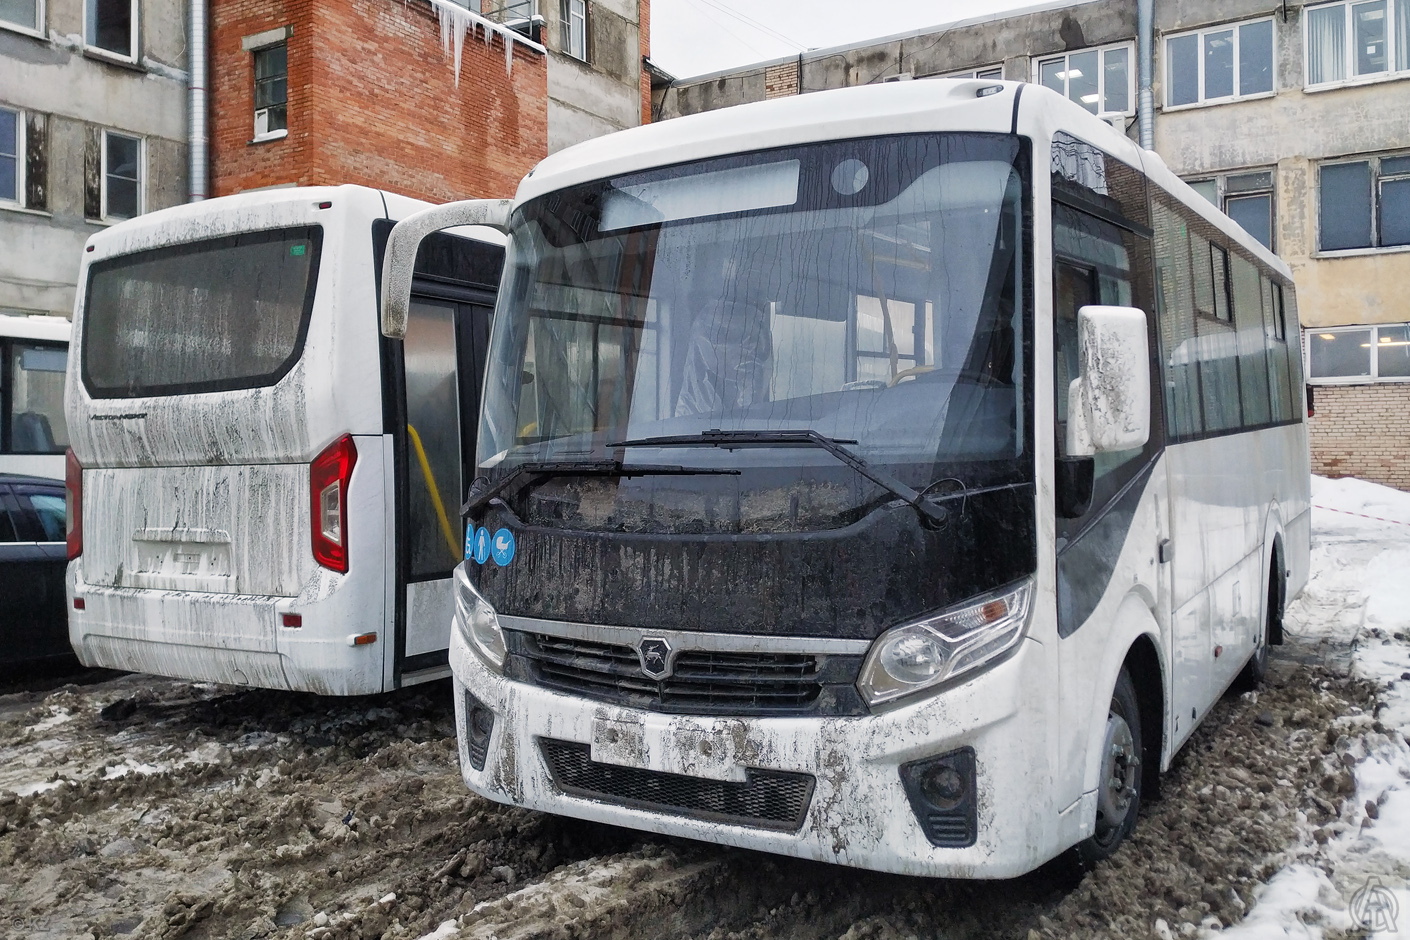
{"type": "Point", "coordinates": [871, 291]}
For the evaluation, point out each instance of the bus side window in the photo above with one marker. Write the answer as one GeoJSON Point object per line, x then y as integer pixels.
{"type": "Point", "coordinates": [1253, 354]}
{"type": "Point", "coordinates": [1179, 359]}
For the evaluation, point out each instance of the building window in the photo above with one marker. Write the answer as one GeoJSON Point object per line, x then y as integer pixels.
{"type": "Point", "coordinates": [11, 157]}
{"type": "Point", "coordinates": [1364, 204]}
{"type": "Point", "coordinates": [27, 15]}
{"type": "Point", "coordinates": [122, 176]}
{"type": "Point", "coordinates": [1100, 80]}
{"type": "Point", "coordinates": [1359, 354]}
{"type": "Point", "coordinates": [1221, 64]}
{"type": "Point", "coordinates": [271, 91]}
{"type": "Point", "coordinates": [1247, 198]}
{"type": "Point", "coordinates": [573, 26]}
{"type": "Point", "coordinates": [111, 25]}
{"type": "Point", "coordinates": [1357, 41]}
{"type": "Point", "coordinates": [995, 72]}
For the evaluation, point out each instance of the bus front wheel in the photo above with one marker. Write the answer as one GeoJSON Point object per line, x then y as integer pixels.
{"type": "Point", "coordinates": [1119, 784]}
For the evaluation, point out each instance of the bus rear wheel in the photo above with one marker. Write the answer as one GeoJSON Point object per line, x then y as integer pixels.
{"type": "Point", "coordinates": [1119, 783]}
{"type": "Point", "coordinates": [1251, 676]}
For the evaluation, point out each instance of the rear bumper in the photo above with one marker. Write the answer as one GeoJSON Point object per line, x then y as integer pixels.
{"type": "Point", "coordinates": [234, 638]}
{"type": "Point", "coordinates": [858, 813]}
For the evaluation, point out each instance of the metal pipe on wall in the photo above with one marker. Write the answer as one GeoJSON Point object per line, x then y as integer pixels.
{"type": "Point", "coordinates": [198, 49]}
{"type": "Point", "coordinates": [1145, 99]}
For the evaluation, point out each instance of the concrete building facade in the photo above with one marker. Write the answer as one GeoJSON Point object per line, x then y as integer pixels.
{"type": "Point", "coordinates": [1291, 116]}
{"type": "Point", "coordinates": [92, 130]}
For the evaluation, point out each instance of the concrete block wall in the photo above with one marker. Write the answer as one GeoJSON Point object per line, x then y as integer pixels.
{"type": "Point", "coordinates": [373, 99]}
{"type": "Point", "coordinates": [1362, 431]}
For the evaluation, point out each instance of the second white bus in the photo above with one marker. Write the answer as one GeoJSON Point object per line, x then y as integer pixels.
{"type": "Point", "coordinates": [33, 360]}
{"type": "Point", "coordinates": [263, 490]}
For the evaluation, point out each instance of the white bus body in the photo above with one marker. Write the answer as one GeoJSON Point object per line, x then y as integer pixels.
{"type": "Point", "coordinates": [968, 651]}
{"type": "Point", "coordinates": [33, 357]}
{"type": "Point", "coordinates": [268, 488]}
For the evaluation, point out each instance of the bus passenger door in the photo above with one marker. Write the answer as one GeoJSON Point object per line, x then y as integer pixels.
{"type": "Point", "coordinates": [443, 361]}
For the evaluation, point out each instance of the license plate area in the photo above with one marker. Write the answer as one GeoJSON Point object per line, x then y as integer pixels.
{"type": "Point", "coordinates": [683, 745]}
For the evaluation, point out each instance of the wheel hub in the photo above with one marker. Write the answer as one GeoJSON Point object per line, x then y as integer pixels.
{"type": "Point", "coordinates": [1120, 764]}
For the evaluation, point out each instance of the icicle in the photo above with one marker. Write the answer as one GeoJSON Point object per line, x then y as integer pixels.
{"type": "Point", "coordinates": [456, 20]}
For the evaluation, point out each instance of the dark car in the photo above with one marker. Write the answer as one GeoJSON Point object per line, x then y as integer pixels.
{"type": "Point", "coordinates": [34, 626]}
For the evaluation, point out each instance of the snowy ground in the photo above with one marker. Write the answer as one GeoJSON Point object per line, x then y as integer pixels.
{"type": "Point", "coordinates": [141, 807]}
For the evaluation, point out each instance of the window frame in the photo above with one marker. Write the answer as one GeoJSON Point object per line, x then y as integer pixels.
{"type": "Point", "coordinates": [39, 19]}
{"type": "Point", "coordinates": [566, 17]}
{"type": "Point", "coordinates": [1221, 181]}
{"type": "Point", "coordinates": [1202, 101]}
{"type": "Point", "coordinates": [134, 34]}
{"type": "Point", "coordinates": [1349, 49]}
{"type": "Point", "coordinates": [974, 73]}
{"type": "Point", "coordinates": [20, 159]}
{"type": "Point", "coordinates": [1373, 377]}
{"type": "Point", "coordinates": [282, 132]}
{"type": "Point", "coordinates": [1129, 46]}
{"type": "Point", "coordinates": [141, 174]}
{"type": "Point", "coordinates": [1373, 160]}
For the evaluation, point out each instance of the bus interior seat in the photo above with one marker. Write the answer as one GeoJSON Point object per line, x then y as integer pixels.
{"type": "Point", "coordinates": [32, 434]}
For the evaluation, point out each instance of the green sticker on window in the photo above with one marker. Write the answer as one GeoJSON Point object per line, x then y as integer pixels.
{"type": "Point", "coordinates": [297, 250]}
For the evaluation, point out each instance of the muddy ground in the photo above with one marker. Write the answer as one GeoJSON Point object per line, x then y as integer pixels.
{"type": "Point", "coordinates": [140, 807]}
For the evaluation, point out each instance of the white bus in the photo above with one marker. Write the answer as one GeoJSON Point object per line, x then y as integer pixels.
{"type": "Point", "coordinates": [33, 357]}
{"type": "Point", "coordinates": [263, 489]}
{"type": "Point", "coordinates": [891, 476]}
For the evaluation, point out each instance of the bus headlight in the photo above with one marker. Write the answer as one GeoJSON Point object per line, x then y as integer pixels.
{"type": "Point", "coordinates": [477, 622]}
{"type": "Point", "coordinates": [919, 655]}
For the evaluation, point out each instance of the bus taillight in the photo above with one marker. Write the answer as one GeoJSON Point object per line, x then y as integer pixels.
{"type": "Point", "coordinates": [73, 504]}
{"type": "Point", "coordinates": [328, 487]}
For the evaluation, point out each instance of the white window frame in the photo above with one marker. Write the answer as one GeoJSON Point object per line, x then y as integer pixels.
{"type": "Point", "coordinates": [572, 8]}
{"type": "Point", "coordinates": [39, 21]}
{"type": "Point", "coordinates": [141, 172]}
{"type": "Point", "coordinates": [1349, 50]}
{"type": "Point", "coordinates": [282, 132]}
{"type": "Point", "coordinates": [1374, 159]}
{"type": "Point", "coordinates": [1221, 181]}
{"type": "Point", "coordinates": [88, 45]}
{"type": "Point", "coordinates": [975, 73]}
{"type": "Point", "coordinates": [1202, 101]}
{"type": "Point", "coordinates": [1130, 47]}
{"type": "Point", "coordinates": [1374, 361]}
{"type": "Point", "coordinates": [18, 201]}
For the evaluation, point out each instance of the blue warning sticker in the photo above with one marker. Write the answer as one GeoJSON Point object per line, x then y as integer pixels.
{"type": "Point", "coordinates": [482, 545]}
{"type": "Point", "coordinates": [502, 547]}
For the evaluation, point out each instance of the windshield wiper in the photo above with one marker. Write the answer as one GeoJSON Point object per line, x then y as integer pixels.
{"type": "Point", "coordinates": [935, 515]}
{"type": "Point", "coordinates": [482, 491]}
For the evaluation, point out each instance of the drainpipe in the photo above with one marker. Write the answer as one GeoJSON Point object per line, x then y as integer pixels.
{"type": "Point", "coordinates": [198, 49]}
{"type": "Point", "coordinates": [1145, 101]}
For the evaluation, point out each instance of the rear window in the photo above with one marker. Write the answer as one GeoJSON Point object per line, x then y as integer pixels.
{"type": "Point", "coordinates": [209, 316]}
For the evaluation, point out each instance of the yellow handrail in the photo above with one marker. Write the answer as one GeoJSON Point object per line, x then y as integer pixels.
{"type": "Point", "coordinates": [435, 490]}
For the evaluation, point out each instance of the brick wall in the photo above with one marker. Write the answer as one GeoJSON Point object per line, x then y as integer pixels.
{"type": "Point", "coordinates": [373, 100]}
{"type": "Point", "coordinates": [644, 37]}
{"type": "Point", "coordinates": [1362, 431]}
{"type": "Point", "coordinates": [781, 80]}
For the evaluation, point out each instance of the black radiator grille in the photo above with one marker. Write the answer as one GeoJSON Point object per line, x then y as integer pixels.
{"type": "Point", "coordinates": [701, 680]}
{"type": "Point", "coordinates": [767, 799]}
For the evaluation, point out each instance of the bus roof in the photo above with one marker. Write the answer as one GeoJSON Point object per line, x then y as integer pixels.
{"type": "Point", "coordinates": [866, 111]}
{"type": "Point", "coordinates": [37, 326]}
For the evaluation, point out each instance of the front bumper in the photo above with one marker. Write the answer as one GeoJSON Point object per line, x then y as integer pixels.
{"type": "Point", "coordinates": [858, 814]}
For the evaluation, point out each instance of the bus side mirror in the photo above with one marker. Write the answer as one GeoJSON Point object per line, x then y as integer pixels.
{"type": "Point", "coordinates": [399, 261]}
{"type": "Point", "coordinates": [1109, 403]}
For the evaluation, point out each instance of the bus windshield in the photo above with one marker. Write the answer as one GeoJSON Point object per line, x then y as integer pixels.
{"type": "Point", "coordinates": [216, 315]}
{"type": "Point", "coordinates": [871, 291]}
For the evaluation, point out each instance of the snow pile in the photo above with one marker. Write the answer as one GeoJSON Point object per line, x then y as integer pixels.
{"type": "Point", "coordinates": [1354, 875]}
{"type": "Point", "coordinates": [457, 22]}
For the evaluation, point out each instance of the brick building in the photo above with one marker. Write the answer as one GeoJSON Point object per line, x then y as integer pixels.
{"type": "Point", "coordinates": [364, 91]}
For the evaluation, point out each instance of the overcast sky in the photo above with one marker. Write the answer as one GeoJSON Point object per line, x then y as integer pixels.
{"type": "Point", "coordinates": [692, 37]}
